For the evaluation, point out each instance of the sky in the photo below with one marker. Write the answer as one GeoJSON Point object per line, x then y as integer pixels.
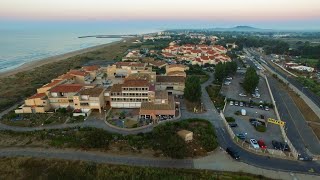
{"type": "Point", "coordinates": [185, 13]}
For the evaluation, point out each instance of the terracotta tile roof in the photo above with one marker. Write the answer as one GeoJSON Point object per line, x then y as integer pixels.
{"type": "Point", "coordinates": [94, 92]}
{"type": "Point", "coordinates": [176, 65]}
{"type": "Point", "coordinates": [116, 88]}
{"type": "Point", "coordinates": [38, 95]}
{"type": "Point", "coordinates": [135, 83]}
{"type": "Point", "coordinates": [65, 88]}
{"type": "Point", "coordinates": [90, 68]}
{"type": "Point", "coordinates": [161, 95]}
{"type": "Point", "coordinates": [158, 63]}
{"type": "Point", "coordinates": [66, 76]}
{"type": "Point", "coordinates": [195, 51]}
{"type": "Point", "coordinates": [78, 73]}
{"type": "Point", "coordinates": [168, 55]}
{"type": "Point", "coordinates": [53, 83]}
{"type": "Point", "coordinates": [173, 79]}
{"type": "Point", "coordinates": [176, 73]}
{"type": "Point", "coordinates": [132, 64]}
{"type": "Point", "coordinates": [205, 58]}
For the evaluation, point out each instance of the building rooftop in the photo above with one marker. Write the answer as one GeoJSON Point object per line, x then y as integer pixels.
{"type": "Point", "coordinates": [38, 95]}
{"type": "Point", "coordinates": [153, 106]}
{"type": "Point", "coordinates": [131, 64]}
{"type": "Point", "coordinates": [77, 73]}
{"type": "Point", "coordinates": [53, 83]}
{"type": "Point", "coordinates": [91, 68]}
{"type": "Point", "coordinates": [65, 88]}
{"type": "Point", "coordinates": [161, 95]}
{"type": "Point", "coordinates": [176, 79]}
{"type": "Point", "coordinates": [95, 92]}
{"type": "Point", "coordinates": [176, 73]}
{"type": "Point", "coordinates": [176, 65]}
{"type": "Point", "coordinates": [135, 83]}
{"type": "Point", "coordinates": [116, 88]}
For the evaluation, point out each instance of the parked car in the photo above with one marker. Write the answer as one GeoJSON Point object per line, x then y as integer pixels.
{"type": "Point", "coordinates": [262, 144]}
{"type": "Point", "coordinates": [262, 116]}
{"type": "Point", "coordinates": [227, 83]}
{"type": "Point", "coordinates": [233, 153]}
{"type": "Point", "coordinates": [242, 95]}
{"type": "Point", "coordinates": [233, 124]}
{"type": "Point", "coordinates": [229, 78]}
{"type": "Point", "coordinates": [241, 104]}
{"type": "Point", "coordinates": [231, 103]}
{"type": "Point", "coordinates": [276, 145]}
{"type": "Point", "coordinates": [236, 103]}
{"type": "Point", "coordinates": [256, 123]}
{"type": "Point", "coordinates": [261, 106]}
{"type": "Point", "coordinates": [243, 112]}
{"type": "Point", "coordinates": [251, 105]}
{"type": "Point", "coordinates": [254, 143]}
{"type": "Point", "coordinates": [252, 120]}
{"type": "Point", "coordinates": [241, 136]}
{"type": "Point", "coordinates": [266, 108]}
{"type": "Point", "coordinates": [284, 146]}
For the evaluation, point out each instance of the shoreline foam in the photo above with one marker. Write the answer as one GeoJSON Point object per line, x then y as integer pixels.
{"type": "Point", "coordinates": [37, 63]}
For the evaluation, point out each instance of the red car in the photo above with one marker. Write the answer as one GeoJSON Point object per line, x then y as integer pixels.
{"type": "Point", "coordinates": [262, 144]}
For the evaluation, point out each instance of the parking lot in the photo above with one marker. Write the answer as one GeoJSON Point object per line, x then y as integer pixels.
{"type": "Point", "coordinates": [232, 91]}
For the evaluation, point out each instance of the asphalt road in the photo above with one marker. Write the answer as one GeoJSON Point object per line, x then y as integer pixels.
{"type": "Point", "coordinates": [298, 131]}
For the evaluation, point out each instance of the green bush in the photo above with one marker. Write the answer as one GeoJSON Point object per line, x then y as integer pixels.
{"type": "Point", "coordinates": [261, 128]}
{"type": "Point", "coordinates": [230, 119]}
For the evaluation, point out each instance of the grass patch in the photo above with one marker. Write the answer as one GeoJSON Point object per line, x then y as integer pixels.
{"type": "Point", "coordinates": [39, 168]}
{"type": "Point", "coordinates": [194, 106]}
{"type": "Point", "coordinates": [163, 139]}
{"type": "Point", "coordinates": [216, 97]}
{"type": "Point", "coordinates": [34, 120]}
{"type": "Point", "coordinates": [230, 119]}
{"type": "Point", "coordinates": [261, 128]}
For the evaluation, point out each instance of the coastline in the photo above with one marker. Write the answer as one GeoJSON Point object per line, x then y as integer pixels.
{"type": "Point", "coordinates": [37, 63]}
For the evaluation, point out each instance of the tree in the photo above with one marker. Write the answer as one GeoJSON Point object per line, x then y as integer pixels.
{"type": "Point", "coordinates": [192, 90]}
{"type": "Point", "coordinates": [219, 72]}
{"type": "Point", "coordinates": [251, 80]}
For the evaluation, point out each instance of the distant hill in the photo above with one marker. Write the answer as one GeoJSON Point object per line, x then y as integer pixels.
{"type": "Point", "coordinates": [235, 29]}
{"type": "Point", "coordinates": [241, 29]}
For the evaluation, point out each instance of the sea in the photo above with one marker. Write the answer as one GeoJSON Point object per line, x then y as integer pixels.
{"type": "Point", "coordinates": [22, 42]}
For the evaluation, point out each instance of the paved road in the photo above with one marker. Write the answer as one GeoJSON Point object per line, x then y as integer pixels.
{"type": "Point", "coordinates": [312, 96]}
{"type": "Point", "coordinates": [299, 133]}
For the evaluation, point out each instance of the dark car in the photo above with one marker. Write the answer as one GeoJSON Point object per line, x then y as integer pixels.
{"type": "Point", "coordinates": [284, 146]}
{"type": "Point", "coordinates": [251, 106]}
{"type": "Point", "coordinates": [261, 116]}
{"type": "Point", "coordinates": [276, 145]}
{"type": "Point", "coordinates": [233, 153]}
{"type": "Point", "coordinates": [233, 124]}
{"type": "Point", "coordinates": [241, 136]}
{"type": "Point", "coordinates": [252, 120]}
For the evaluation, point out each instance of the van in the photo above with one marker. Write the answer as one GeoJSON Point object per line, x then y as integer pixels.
{"type": "Point", "coordinates": [243, 112]}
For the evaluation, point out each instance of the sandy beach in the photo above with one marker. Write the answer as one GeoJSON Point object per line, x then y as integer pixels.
{"type": "Point", "coordinates": [38, 63]}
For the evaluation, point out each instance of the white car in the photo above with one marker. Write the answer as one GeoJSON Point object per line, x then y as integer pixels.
{"type": "Point", "coordinates": [254, 143]}
{"type": "Point", "coordinates": [242, 95]}
{"type": "Point", "coordinates": [231, 103]}
{"type": "Point", "coordinates": [241, 104]}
